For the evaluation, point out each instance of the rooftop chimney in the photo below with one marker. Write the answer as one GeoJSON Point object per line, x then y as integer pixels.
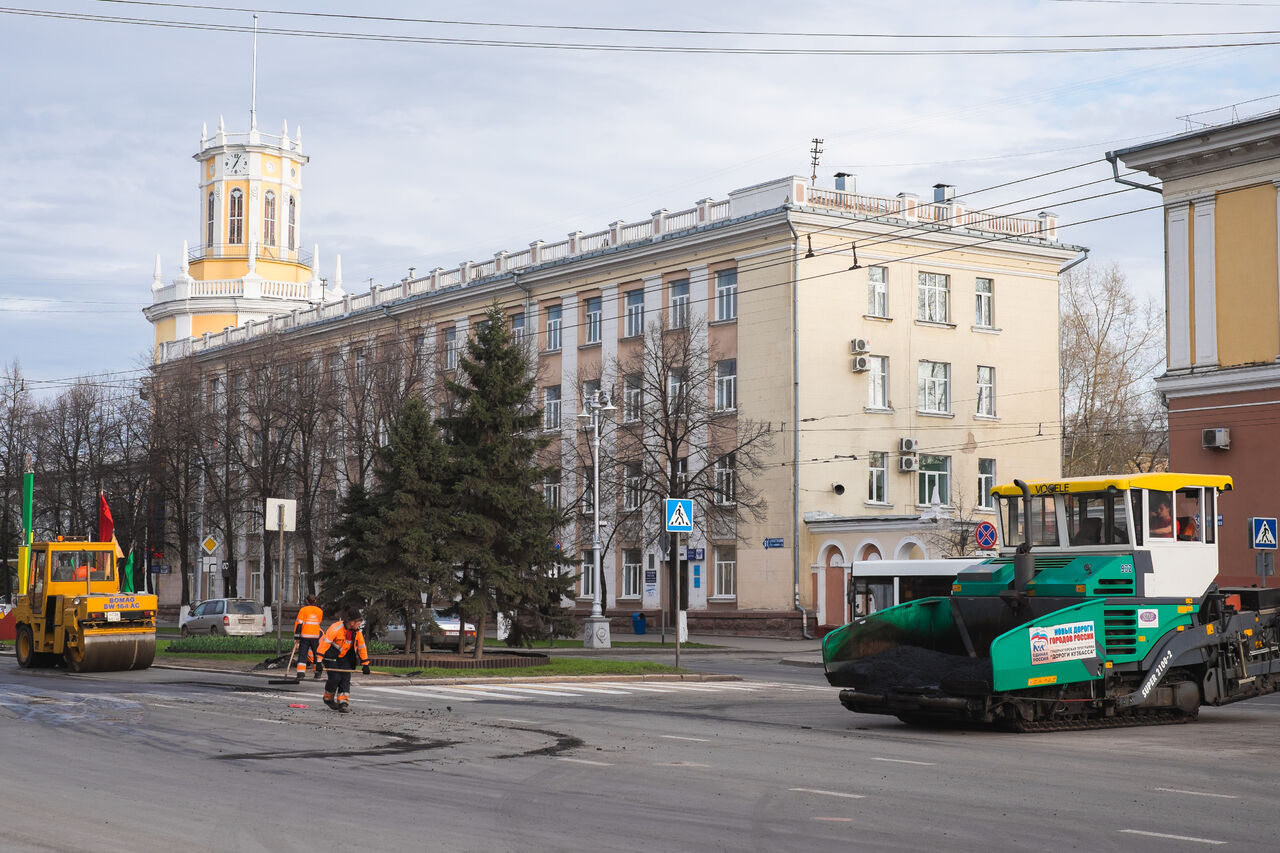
{"type": "Point", "coordinates": [853, 185]}
{"type": "Point", "coordinates": [943, 193]}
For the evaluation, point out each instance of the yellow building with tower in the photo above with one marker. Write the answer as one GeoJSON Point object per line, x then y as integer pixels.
{"type": "Point", "coordinates": [249, 264]}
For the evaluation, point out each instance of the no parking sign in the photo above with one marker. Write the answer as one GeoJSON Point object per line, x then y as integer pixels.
{"type": "Point", "coordinates": [985, 535]}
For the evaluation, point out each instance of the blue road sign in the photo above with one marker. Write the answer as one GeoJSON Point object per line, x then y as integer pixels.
{"type": "Point", "coordinates": [774, 543]}
{"type": "Point", "coordinates": [679, 515]}
{"type": "Point", "coordinates": [1262, 534]}
{"type": "Point", "coordinates": [985, 535]}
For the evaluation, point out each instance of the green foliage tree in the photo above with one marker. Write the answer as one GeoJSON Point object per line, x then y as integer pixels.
{"type": "Point", "coordinates": [345, 579]}
{"type": "Point", "coordinates": [503, 531]}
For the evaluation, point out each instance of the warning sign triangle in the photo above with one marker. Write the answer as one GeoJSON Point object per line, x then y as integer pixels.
{"type": "Point", "coordinates": [678, 518]}
{"type": "Point", "coordinates": [1266, 535]}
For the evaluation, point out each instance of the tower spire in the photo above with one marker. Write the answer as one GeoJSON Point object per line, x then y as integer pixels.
{"type": "Point", "coordinates": [253, 89]}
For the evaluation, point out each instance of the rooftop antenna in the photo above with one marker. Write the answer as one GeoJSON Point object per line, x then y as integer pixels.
{"type": "Point", "coordinates": [814, 157]}
{"type": "Point", "coordinates": [253, 89]}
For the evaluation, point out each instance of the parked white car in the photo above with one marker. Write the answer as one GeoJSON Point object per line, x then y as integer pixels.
{"type": "Point", "coordinates": [444, 635]}
{"type": "Point", "coordinates": [218, 616]}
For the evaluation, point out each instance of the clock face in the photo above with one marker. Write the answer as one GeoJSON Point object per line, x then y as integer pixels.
{"type": "Point", "coordinates": [236, 164]}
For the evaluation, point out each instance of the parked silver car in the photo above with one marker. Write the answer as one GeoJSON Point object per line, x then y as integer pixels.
{"type": "Point", "coordinates": [238, 616]}
{"type": "Point", "coordinates": [443, 636]}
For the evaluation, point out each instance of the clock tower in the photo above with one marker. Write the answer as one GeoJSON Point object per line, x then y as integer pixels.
{"type": "Point", "coordinates": [248, 263]}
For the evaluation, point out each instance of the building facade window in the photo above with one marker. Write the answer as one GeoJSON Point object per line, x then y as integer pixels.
{"type": "Point", "coordinates": [235, 218]}
{"type": "Point", "coordinates": [631, 486]}
{"type": "Point", "coordinates": [631, 572]}
{"type": "Point", "coordinates": [551, 407]}
{"type": "Point", "coordinates": [632, 399]}
{"type": "Point", "coordinates": [726, 481]}
{"type": "Point", "coordinates": [878, 382]}
{"type": "Point", "coordinates": [935, 479]}
{"type": "Point", "coordinates": [269, 219]}
{"type": "Point", "coordinates": [551, 489]}
{"type": "Point", "coordinates": [877, 476]}
{"type": "Point", "coordinates": [727, 295]}
{"type": "Point", "coordinates": [588, 574]}
{"type": "Point", "coordinates": [593, 320]}
{"type": "Point", "coordinates": [675, 387]}
{"type": "Point", "coordinates": [934, 385]}
{"type": "Point", "coordinates": [877, 291]}
{"type": "Point", "coordinates": [932, 297]}
{"type": "Point", "coordinates": [986, 391]}
{"type": "Point", "coordinates": [212, 216]}
{"type": "Point", "coordinates": [554, 323]}
{"type": "Point", "coordinates": [589, 490]}
{"type": "Point", "coordinates": [680, 303]}
{"type": "Point", "coordinates": [517, 326]}
{"type": "Point", "coordinates": [726, 578]}
{"type": "Point", "coordinates": [451, 349]}
{"type": "Point", "coordinates": [682, 474]}
{"type": "Point", "coordinates": [984, 292]}
{"type": "Point", "coordinates": [293, 223]}
{"type": "Point", "coordinates": [635, 314]}
{"type": "Point", "coordinates": [727, 385]}
{"type": "Point", "coordinates": [986, 482]}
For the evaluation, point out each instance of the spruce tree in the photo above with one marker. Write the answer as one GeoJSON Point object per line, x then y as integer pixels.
{"type": "Point", "coordinates": [345, 579]}
{"type": "Point", "coordinates": [504, 532]}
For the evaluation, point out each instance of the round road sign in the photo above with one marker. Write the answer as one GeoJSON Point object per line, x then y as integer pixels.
{"type": "Point", "coordinates": [985, 535]}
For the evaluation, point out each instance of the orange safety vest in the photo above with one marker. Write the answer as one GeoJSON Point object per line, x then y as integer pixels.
{"type": "Point", "coordinates": [308, 622]}
{"type": "Point", "coordinates": [337, 646]}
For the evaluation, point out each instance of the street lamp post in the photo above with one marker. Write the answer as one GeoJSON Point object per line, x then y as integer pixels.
{"type": "Point", "coordinates": [596, 630]}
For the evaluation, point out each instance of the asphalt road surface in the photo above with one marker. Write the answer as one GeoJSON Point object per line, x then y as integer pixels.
{"type": "Point", "coordinates": [171, 760]}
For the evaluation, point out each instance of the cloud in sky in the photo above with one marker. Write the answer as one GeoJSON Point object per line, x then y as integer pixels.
{"type": "Point", "coordinates": [427, 155]}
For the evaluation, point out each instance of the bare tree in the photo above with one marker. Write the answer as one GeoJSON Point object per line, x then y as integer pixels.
{"type": "Point", "coordinates": [1111, 346]}
{"type": "Point", "coordinates": [678, 435]}
{"type": "Point", "coordinates": [15, 442]}
{"type": "Point", "coordinates": [180, 398]}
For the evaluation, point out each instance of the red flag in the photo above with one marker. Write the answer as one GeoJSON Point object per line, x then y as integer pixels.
{"type": "Point", "coordinates": [106, 524]}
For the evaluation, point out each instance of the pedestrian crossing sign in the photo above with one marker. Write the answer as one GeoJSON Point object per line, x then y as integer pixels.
{"type": "Point", "coordinates": [1262, 533]}
{"type": "Point", "coordinates": [679, 514]}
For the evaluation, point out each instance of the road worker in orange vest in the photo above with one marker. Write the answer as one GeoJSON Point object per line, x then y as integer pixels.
{"type": "Point", "coordinates": [306, 634]}
{"type": "Point", "coordinates": [339, 649]}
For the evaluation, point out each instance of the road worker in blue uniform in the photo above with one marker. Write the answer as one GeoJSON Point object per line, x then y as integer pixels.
{"type": "Point", "coordinates": [340, 647]}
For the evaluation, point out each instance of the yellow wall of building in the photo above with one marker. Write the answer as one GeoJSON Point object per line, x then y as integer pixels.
{"type": "Point", "coordinates": [202, 323]}
{"type": "Point", "coordinates": [1246, 275]}
{"type": "Point", "coordinates": [166, 330]}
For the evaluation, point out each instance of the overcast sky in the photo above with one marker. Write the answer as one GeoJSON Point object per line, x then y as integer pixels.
{"type": "Point", "coordinates": [429, 152]}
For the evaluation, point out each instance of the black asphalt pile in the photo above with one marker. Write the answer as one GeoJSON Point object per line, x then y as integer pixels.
{"type": "Point", "coordinates": [914, 668]}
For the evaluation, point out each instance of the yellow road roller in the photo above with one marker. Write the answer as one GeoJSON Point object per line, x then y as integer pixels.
{"type": "Point", "coordinates": [73, 611]}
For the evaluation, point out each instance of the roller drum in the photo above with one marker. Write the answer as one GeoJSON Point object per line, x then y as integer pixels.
{"type": "Point", "coordinates": [113, 652]}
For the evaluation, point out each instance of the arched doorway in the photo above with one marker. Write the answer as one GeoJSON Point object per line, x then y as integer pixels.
{"type": "Point", "coordinates": [835, 610]}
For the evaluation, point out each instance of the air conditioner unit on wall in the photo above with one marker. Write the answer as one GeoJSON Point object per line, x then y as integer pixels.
{"type": "Point", "coordinates": [859, 364]}
{"type": "Point", "coordinates": [908, 463]}
{"type": "Point", "coordinates": [1218, 438]}
{"type": "Point", "coordinates": [908, 445]}
{"type": "Point", "coordinates": [858, 345]}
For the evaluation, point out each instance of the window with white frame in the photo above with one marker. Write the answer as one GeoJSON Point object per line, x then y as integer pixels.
{"type": "Point", "coordinates": [877, 381]}
{"type": "Point", "coordinates": [984, 290]}
{"type": "Point", "coordinates": [932, 296]}
{"type": "Point", "coordinates": [986, 482]}
{"type": "Point", "coordinates": [635, 313]}
{"type": "Point", "coordinates": [450, 349]}
{"type": "Point", "coordinates": [554, 323]}
{"type": "Point", "coordinates": [269, 219]}
{"type": "Point", "coordinates": [632, 399]}
{"type": "Point", "coordinates": [293, 223]}
{"type": "Point", "coordinates": [727, 384]}
{"type": "Point", "coordinates": [551, 489]}
{"type": "Point", "coordinates": [878, 291]}
{"type": "Point", "coordinates": [631, 563]}
{"type": "Point", "coordinates": [726, 579]}
{"type": "Point", "coordinates": [590, 388]}
{"type": "Point", "coordinates": [212, 217]}
{"type": "Point", "coordinates": [986, 391]}
{"type": "Point", "coordinates": [934, 479]}
{"type": "Point", "coordinates": [675, 385]}
{"type": "Point", "coordinates": [593, 320]}
{"type": "Point", "coordinates": [551, 407]}
{"type": "Point", "coordinates": [517, 326]}
{"type": "Point", "coordinates": [589, 490]}
{"type": "Point", "coordinates": [680, 303]}
{"type": "Point", "coordinates": [935, 387]}
{"type": "Point", "coordinates": [235, 223]}
{"type": "Point", "coordinates": [588, 574]}
{"type": "Point", "coordinates": [682, 474]}
{"type": "Point", "coordinates": [726, 294]}
{"type": "Point", "coordinates": [726, 481]}
{"type": "Point", "coordinates": [631, 486]}
{"type": "Point", "coordinates": [877, 468]}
